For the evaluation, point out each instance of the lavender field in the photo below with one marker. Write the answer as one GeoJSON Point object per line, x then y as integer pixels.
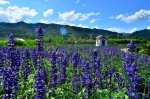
{"type": "Point", "coordinates": [72, 72]}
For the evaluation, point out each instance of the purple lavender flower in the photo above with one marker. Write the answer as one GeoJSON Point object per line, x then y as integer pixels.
{"type": "Point", "coordinates": [40, 48]}
{"type": "Point", "coordinates": [94, 54]}
{"type": "Point", "coordinates": [39, 86]}
{"type": "Point", "coordinates": [62, 75]}
{"type": "Point", "coordinates": [94, 61]}
{"type": "Point", "coordinates": [75, 60]}
{"type": "Point", "coordinates": [74, 84]}
{"type": "Point", "coordinates": [75, 77]}
{"type": "Point", "coordinates": [85, 67]}
{"type": "Point", "coordinates": [85, 71]}
{"type": "Point", "coordinates": [39, 31]}
{"type": "Point", "coordinates": [11, 42]}
{"type": "Point", "coordinates": [131, 46]}
{"type": "Point", "coordinates": [1, 63]}
{"type": "Point", "coordinates": [34, 57]}
{"type": "Point", "coordinates": [96, 70]}
{"type": "Point", "coordinates": [99, 83]}
{"type": "Point", "coordinates": [40, 54]}
{"type": "Point", "coordinates": [131, 70]}
{"type": "Point", "coordinates": [53, 72]}
{"type": "Point", "coordinates": [12, 53]}
{"type": "Point", "coordinates": [88, 87]}
{"type": "Point", "coordinates": [17, 60]}
{"type": "Point", "coordinates": [26, 68]}
{"type": "Point", "coordinates": [9, 82]}
{"type": "Point", "coordinates": [45, 75]}
{"type": "Point", "coordinates": [10, 73]}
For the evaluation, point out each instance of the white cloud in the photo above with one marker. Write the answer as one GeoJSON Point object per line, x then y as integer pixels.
{"type": "Point", "coordinates": [15, 14]}
{"type": "Point", "coordinates": [112, 17]}
{"type": "Point", "coordinates": [66, 23]}
{"type": "Point", "coordinates": [97, 13]}
{"type": "Point", "coordinates": [69, 16]}
{"type": "Point", "coordinates": [48, 12]}
{"type": "Point", "coordinates": [83, 26]}
{"type": "Point", "coordinates": [92, 21]}
{"type": "Point", "coordinates": [4, 2]}
{"type": "Point", "coordinates": [77, 1]}
{"type": "Point", "coordinates": [27, 21]}
{"type": "Point", "coordinates": [114, 29]}
{"type": "Point", "coordinates": [63, 23]}
{"type": "Point", "coordinates": [86, 16]}
{"type": "Point", "coordinates": [44, 21]}
{"type": "Point", "coordinates": [96, 27]}
{"type": "Point", "coordinates": [133, 30]}
{"type": "Point", "coordinates": [120, 16]}
{"type": "Point", "coordinates": [72, 16]}
{"type": "Point", "coordinates": [140, 15]}
{"type": "Point", "coordinates": [148, 27]}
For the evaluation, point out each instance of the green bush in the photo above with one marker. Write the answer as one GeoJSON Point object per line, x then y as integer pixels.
{"type": "Point", "coordinates": [3, 42]}
{"type": "Point", "coordinates": [145, 48]}
{"type": "Point", "coordinates": [57, 40]}
{"type": "Point", "coordinates": [30, 42]}
{"type": "Point", "coordinates": [125, 41]}
{"type": "Point", "coordinates": [19, 43]}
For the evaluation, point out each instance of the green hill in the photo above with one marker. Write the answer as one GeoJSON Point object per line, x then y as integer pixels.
{"type": "Point", "coordinates": [25, 30]}
{"type": "Point", "coordinates": [141, 34]}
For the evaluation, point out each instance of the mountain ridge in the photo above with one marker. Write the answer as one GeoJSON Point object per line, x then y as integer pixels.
{"type": "Point", "coordinates": [27, 30]}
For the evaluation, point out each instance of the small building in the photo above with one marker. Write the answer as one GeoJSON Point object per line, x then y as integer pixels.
{"type": "Point", "coordinates": [101, 40]}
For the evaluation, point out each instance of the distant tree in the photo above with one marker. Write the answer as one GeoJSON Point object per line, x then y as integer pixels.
{"type": "Point", "coordinates": [90, 36]}
{"type": "Point", "coordinates": [136, 37]}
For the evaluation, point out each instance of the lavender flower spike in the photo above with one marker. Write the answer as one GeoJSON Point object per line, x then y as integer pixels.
{"type": "Point", "coordinates": [39, 86]}
{"type": "Point", "coordinates": [39, 31]}
{"type": "Point", "coordinates": [131, 46]}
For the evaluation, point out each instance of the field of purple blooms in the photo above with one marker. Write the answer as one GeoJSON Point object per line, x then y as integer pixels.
{"type": "Point", "coordinates": [72, 72]}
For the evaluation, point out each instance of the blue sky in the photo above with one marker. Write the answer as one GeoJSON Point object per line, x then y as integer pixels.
{"type": "Point", "coordinates": [114, 15]}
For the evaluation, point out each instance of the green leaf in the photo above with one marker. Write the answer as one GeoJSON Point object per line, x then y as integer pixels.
{"type": "Point", "coordinates": [33, 67]}
{"type": "Point", "coordinates": [31, 78]}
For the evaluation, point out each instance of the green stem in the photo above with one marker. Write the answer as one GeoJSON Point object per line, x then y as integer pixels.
{"type": "Point", "coordinates": [33, 66]}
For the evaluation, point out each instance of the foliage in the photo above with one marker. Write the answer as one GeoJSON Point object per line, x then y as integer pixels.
{"type": "Point", "coordinates": [125, 41]}
{"type": "Point", "coordinates": [24, 30]}
{"type": "Point", "coordinates": [57, 39]}
{"type": "Point", "coordinates": [19, 43]}
{"type": "Point", "coordinates": [145, 49]}
{"type": "Point", "coordinates": [141, 34]}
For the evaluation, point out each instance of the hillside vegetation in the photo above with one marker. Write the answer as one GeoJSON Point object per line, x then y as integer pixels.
{"type": "Point", "coordinates": [26, 30]}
